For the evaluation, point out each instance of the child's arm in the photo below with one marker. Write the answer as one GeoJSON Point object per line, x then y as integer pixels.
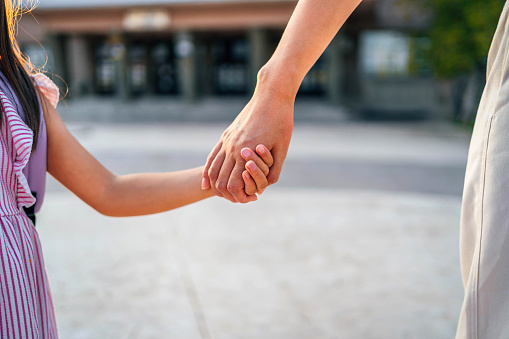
{"type": "Point", "coordinates": [128, 195]}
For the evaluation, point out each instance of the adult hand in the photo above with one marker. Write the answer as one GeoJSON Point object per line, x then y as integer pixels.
{"type": "Point", "coordinates": [267, 119]}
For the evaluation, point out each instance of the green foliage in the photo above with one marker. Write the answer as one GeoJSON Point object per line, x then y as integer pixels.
{"type": "Point", "coordinates": [461, 33]}
{"type": "Point", "coordinates": [419, 61]}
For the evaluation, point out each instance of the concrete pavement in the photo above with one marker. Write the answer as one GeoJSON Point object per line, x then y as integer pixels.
{"type": "Point", "coordinates": [164, 109]}
{"type": "Point", "coordinates": [358, 240]}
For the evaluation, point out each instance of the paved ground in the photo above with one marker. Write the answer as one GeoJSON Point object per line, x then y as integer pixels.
{"type": "Point", "coordinates": [358, 240]}
{"type": "Point", "coordinates": [162, 109]}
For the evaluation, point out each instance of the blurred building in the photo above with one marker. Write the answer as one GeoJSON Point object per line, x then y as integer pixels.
{"type": "Point", "coordinates": [197, 48]}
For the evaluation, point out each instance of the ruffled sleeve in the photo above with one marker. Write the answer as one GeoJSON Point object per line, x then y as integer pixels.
{"type": "Point", "coordinates": [19, 138]}
{"type": "Point", "coordinates": [47, 88]}
{"type": "Point", "coordinates": [21, 147]}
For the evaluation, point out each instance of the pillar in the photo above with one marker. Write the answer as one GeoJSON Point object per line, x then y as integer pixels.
{"type": "Point", "coordinates": [119, 46]}
{"type": "Point", "coordinates": [80, 66]}
{"type": "Point", "coordinates": [59, 70]}
{"type": "Point", "coordinates": [186, 65]}
{"type": "Point", "coordinates": [204, 68]}
{"type": "Point", "coordinates": [335, 71]}
{"type": "Point", "coordinates": [259, 53]}
{"type": "Point", "coordinates": [151, 72]}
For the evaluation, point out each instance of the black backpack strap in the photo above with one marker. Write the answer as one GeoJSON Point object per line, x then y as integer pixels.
{"type": "Point", "coordinates": [30, 211]}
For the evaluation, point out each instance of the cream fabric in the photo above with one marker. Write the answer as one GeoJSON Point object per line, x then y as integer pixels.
{"type": "Point", "coordinates": [484, 234]}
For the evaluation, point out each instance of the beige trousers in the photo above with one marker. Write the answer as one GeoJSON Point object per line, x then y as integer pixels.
{"type": "Point", "coordinates": [484, 233]}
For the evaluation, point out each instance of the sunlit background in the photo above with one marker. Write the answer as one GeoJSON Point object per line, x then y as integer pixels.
{"type": "Point", "coordinates": [359, 239]}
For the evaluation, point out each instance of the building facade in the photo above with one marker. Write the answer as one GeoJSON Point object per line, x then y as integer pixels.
{"type": "Point", "coordinates": [196, 48]}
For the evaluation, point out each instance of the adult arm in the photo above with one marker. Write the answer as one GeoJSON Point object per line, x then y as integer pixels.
{"type": "Point", "coordinates": [268, 117]}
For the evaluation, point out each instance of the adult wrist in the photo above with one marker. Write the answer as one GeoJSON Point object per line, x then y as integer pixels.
{"type": "Point", "coordinates": [277, 81]}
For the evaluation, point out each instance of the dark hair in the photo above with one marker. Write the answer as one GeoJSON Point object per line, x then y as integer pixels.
{"type": "Point", "coordinates": [16, 67]}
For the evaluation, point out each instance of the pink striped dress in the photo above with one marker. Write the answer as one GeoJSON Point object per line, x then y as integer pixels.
{"type": "Point", "coordinates": [26, 307]}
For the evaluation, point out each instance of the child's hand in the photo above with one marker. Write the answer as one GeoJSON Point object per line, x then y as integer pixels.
{"type": "Point", "coordinates": [257, 168]}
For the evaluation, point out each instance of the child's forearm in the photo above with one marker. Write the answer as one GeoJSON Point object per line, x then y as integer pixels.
{"type": "Point", "coordinates": [148, 193]}
{"type": "Point", "coordinates": [128, 195]}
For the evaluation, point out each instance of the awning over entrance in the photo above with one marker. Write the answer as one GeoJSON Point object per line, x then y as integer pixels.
{"type": "Point", "coordinates": [168, 17]}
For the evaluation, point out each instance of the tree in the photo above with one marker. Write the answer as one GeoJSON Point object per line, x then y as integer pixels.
{"type": "Point", "coordinates": [461, 34]}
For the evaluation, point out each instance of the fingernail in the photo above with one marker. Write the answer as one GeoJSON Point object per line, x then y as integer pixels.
{"type": "Point", "coordinates": [251, 165]}
{"type": "Point", "coordinates": [260, 149]}
{"type": "Point", "coordinates": [203, 184]}
{"type": "Point", "coordinates": [245, 152]}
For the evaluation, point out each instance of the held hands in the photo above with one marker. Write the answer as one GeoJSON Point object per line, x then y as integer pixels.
{"type": "Point", "coordinates": [267, 119]}
{"type": "Point", "coordinates": [257, 168]}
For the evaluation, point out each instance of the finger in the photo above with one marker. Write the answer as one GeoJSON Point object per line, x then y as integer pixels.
{"type": "Point", "coordinates": [265, 154]}
{"type": "Point", "coordinates": [257, 175]}
{"type": "Point", "coordinates": [221, 184]}
{"type": "Point", "coordinates": [214, 170]}
{"type": "Point", "coordinates": [236, 183]}
{"type": "Point", "coordinates": [249, 155]}
{"type": "Point", "coordinates": [250, 198]}
{"type": "Point", "coordinates": [276, 168]}
{"type": "Point", "coordinates": [249, 183]}
{"type": "Point", "coordinates": [205, 183]}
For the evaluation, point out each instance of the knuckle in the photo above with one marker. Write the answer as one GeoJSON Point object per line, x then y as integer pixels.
{"type": "Point", "coordinates": [233, 187]}
{"type": "Point", "coordinates": [211, 157]}
{"type": "Point", "coordinates": [231, 148]}
{"type": "Point", "coordinates": [213, 173]}
{"type": "Point", "coordinates": [221, 186]}
{"type": "Point", "coordinates": [273, 180]}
